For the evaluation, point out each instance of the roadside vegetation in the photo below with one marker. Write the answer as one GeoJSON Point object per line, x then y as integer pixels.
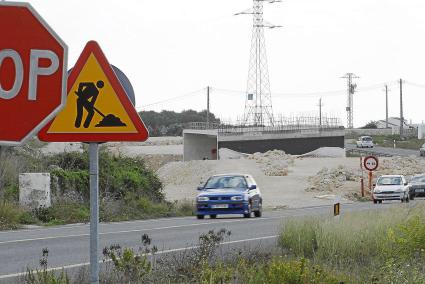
{"type": "Point", "coordinates": [128, 190]}
{"type": "Point", "coordinates": [205, 263]}
{"type": "Point", "coordinates": [376, 246]}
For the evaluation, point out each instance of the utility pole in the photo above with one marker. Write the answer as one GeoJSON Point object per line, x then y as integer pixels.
{"type": "Point", "coordinates": [386, 106]}
{"type": "Point", "coordinates": [320, 112]}
{"type": "Point", "coordinates": [401, 109]}
{"type": "Point", "coordinates": [350, 92]}
{"type": "Point", "coordinates": [208, 107]}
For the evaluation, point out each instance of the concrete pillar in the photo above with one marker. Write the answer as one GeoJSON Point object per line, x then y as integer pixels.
{"type": "Point", "coordinates": [34, 190]}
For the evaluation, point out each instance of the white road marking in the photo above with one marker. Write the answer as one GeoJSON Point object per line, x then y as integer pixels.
{"type": "Point", "coordinates": [5, 276]}
{"type": "Point", "coordinates": [72, 226]}
{"type": "Point", "coordinates": [141, 230]}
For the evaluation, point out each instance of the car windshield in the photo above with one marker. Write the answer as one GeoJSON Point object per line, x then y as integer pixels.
{"type": "Point", "coordinates": [216, 182]}
{"type": "Point", "coordinates": [418, 179]}
{"type": "Point", "coordinates": [389, 181]}
{"type": "Point", "coordinates": [367, 138]}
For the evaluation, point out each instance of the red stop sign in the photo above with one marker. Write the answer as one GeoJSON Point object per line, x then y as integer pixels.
{"type": "Point", "coordinates": [32, 73]}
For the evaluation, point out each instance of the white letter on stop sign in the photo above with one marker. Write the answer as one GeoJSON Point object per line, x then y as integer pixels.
{"type": "Point", "coordinates": [34, 72]}
{"type": "Point", "coordinates": [19, 73]}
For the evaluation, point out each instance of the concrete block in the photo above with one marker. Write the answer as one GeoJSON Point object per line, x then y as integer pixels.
{"type": "Point", "coordinates": [34, 190]}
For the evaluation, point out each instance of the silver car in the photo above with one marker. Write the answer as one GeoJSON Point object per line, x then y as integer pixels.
{"type": "Point", "coordinates": [391, 187]}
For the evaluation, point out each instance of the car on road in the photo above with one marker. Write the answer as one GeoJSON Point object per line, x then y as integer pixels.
{"type": "Point", "coordinates": [422, 150]}
{"type": "Point", "coordinates": [417, 186]}
{"type": "Point", "coordinates": [229, 194]}
{"type": "Point", "coordinates": [364, 142]}
{"type": "Point", "coordinates": [391, 187]}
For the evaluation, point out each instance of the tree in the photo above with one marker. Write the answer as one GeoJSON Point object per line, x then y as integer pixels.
{"type": "Point", "coordinates": [370, 125]}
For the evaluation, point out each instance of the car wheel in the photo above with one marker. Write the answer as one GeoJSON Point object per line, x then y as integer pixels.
{"type": "Point", "coordinates": [380, 201]}
{"type": "Point", "coordinates": [213, 216]}
{"type": "Point", "coordinates": [412, 197]}
{"type": "Point", "coordinates": [258, 213]}
{"type": "Point", "coordinates": [407, 199]}
{"type": "Point", "coordinates": [247, 215]}
{"type": "Point", "coordinates": [200, 216]}
{"type": "Point", "coordinates": [375, 201]}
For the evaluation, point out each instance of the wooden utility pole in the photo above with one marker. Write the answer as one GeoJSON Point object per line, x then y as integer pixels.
{"type": "Point", "coordinates": [386, 106]}
{"type": "Point", "coordinates": [208, 107]}
{"type": "Point", "coordinates": [401, 109]}
{"type": "Point", "coordinates": [320, 112]}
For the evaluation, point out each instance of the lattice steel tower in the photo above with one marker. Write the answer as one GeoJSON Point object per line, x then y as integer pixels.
{"type": "Point", "coordinates": [258, 101]}
{"type": "Point", "coordinates": [351, 88]}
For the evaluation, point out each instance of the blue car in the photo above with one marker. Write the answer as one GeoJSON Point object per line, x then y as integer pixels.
{"type": "Point", "coordinates": [229, 194]}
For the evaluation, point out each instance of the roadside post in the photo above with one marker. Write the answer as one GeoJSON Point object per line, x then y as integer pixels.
{"type": "Point", "coordinates": [361, 179]}
{"type": "Point", "coordinates": [371, 164]}
{"type": "Point", "coordinates": [33, 64]}
{"type": "Point", "coordinates": [98, 110]}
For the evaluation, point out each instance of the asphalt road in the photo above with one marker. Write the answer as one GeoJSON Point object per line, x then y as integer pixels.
{"type": "Point", "coordinates": [384, 151]}
{"type": "Point", "coordinates": [69, 245]}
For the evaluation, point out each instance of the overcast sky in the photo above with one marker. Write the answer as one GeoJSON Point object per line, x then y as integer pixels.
{"type": "Point", "coordinates": [172, 48]}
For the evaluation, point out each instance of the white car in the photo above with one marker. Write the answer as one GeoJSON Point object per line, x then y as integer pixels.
{"type": "Point", "coordinates": [364, 142]}
{"type": "Point", "coordinates": [391, 187]}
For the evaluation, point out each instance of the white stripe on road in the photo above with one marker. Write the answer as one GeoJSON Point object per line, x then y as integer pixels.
{"type": "Point", "coordinates": [72, 226]}
{"type": "Point", "coordinates": [157, 253]}
{"type": "Point", "coordinates": [140, 230]}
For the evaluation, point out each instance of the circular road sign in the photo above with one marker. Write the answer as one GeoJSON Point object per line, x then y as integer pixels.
{"type": "Point", "coordinates": [370, 163]}
{"type": "Point", "coordinates": [32, 73]}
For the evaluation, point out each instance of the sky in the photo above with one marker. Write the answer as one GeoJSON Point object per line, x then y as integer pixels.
{"type": "Point", "coordinates": [171, 50]}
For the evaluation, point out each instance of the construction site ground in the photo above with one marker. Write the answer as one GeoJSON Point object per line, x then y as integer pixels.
{"type": "Point", "coordinates": [318, 178]}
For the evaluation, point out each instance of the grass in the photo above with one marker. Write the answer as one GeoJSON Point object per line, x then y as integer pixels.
{"type": "Point", "coordinates": [379, 244]}
{"type": "Point", "coordinates": [388, 141]}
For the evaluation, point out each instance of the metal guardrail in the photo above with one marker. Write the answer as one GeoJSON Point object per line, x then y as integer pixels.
{"type": "Point", "coordinates": [235, 130]}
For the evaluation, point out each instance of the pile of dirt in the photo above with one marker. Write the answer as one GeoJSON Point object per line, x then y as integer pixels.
{"type": "Point", "coordinates": [406, 166]}
{"type": "Point", "coordinates": [227, 154]}
{"type": "Point", "coordinates": [180, 173]}
{"type": "Point", "coordinates": [155, 162]}
{"type": "Point", "coordinates": [273, 163]}
{"type": "Point", "coordinates": [331, 180]}
{"type": "Point", "coordinates": [326, 152]}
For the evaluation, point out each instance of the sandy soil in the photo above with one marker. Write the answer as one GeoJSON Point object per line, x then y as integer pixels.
{"type": "Point", "coordinates": [182, 178]}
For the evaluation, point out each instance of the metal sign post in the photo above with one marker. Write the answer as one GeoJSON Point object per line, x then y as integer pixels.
{"type": "Point", "coordinates": [371, 164]}
{"type": "Point", "coordinates": [94, 212]}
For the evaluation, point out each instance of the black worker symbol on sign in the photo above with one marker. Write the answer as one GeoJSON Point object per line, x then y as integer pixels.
{"type": "Point", "coordinates": [87, 94]}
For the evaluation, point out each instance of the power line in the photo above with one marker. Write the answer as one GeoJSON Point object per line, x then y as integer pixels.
{"type": "Point", "coordinates": [172, 99]}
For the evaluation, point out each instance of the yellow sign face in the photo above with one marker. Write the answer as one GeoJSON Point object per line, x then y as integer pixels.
{"type": "Point", "coordinates": [92, 105]}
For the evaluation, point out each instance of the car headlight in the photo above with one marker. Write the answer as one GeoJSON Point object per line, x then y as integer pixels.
{"type": "Point", "coordinates": [203, 198]}
{"type": "Point", "coordinates": [236, 198]}
{"type": "Point", "coordinates": [377, 191]}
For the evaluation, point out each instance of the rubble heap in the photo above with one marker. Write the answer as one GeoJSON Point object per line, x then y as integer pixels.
{"type": "Point", "coordinates": [329, 180]}
{"type": "Point", "coordinates": [273, 163]}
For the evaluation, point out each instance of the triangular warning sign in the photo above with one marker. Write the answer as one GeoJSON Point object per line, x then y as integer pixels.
{"type": "Point", "coordinates": [97, 107]}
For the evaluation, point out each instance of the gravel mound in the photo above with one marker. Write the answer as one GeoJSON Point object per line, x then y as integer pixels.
{"type": "Point", "coordinates": [330, 180]}
{"type": "Point", "coordinates": [227, 154]}
{"type": "Point", "coordinates": [401, 166]}
{"type": "Point", "coordinates": [273, 163]}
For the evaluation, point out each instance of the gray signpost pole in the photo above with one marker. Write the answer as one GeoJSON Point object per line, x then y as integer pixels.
{"type": "Point", "coordinates": [94, 212]}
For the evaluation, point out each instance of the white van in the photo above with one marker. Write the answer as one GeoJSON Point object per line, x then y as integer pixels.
{"type": "Point", "coordinates": [364, 142]}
